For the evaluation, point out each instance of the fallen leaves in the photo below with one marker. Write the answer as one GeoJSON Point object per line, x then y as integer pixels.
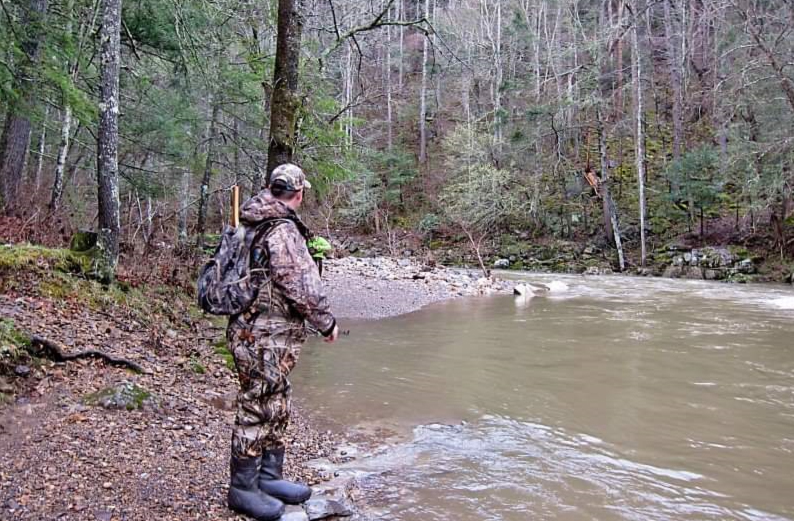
{"type": "Point", "coordinates": [60, 459]}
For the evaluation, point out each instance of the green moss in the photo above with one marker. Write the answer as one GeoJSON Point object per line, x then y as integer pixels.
{"type": "Point", "coordinates": [221, 349]}
{"type": "Point", "coordinates": [196, 366]}
{"type": "Point", "coordinates": [27, 257]}
{"type": "Point", "coordinates": [739, 251]}
{"type": "Point", "coordinates": [10, 335]}
{"type": "Point", "coordinates": [83, 241]}
{"type": "Point", "coordinates": [13, 344]}
{"type": "Point", "coordinates": [740, 278]}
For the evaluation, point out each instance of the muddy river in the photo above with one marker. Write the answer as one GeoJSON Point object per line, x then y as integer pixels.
{"type": "Point", "coordinates": [608, 398]}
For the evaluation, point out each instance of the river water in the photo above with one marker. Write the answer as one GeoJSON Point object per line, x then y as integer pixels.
{"type": "Point", "coordinates": [618, 398]}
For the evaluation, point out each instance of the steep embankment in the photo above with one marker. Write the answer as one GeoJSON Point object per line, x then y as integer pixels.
{"type": "Point", "coordinates": [162, 453]}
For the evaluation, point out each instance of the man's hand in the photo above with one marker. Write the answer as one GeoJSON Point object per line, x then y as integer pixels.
{"type": "Point", "coordinates": [333, 336]}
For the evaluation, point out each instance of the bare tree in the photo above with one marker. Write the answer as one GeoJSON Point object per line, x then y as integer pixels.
{"type": "Point", "coordinates": [423, 95]}
{"type": "Point", "coordinates": [108, 138]}
{"type": "Point", "coordinates": [205, 181]}
{"type": "Point", "coordinates": [640, 136]}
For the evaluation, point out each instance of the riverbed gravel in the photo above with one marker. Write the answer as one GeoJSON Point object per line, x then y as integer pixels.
{"type": "Point", "coordinates": [379, 287]}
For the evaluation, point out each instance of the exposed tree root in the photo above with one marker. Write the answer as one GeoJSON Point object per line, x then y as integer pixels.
{"type": "Point", "coordinates": [54, 352]}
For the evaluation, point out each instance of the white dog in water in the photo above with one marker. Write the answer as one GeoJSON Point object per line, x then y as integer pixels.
{"type": "Point", "coordinates": [526, 291]}
{"type": "Point", "coordinates": [529, 289]}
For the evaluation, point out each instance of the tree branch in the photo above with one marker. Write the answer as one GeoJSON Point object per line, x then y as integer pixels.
{"type": "Point", "coordinates": [373, 24]}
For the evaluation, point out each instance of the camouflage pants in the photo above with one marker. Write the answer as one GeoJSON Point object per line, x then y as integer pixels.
{"type": "Point", "coordinates": [264, 363]}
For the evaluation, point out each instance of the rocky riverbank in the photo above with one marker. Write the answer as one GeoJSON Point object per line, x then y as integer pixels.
{"type": "Point", "coordinates": [83, 440]}
{"type": "Point", "coordinates": [379, 287]}
{"type": "Point", "coordinates": [689, 258]}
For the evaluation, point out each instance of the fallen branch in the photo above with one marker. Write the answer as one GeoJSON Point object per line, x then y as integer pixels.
{"type": "Point", "coordinates": [54, 352]}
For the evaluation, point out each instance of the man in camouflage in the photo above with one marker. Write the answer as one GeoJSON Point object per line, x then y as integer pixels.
{"type": "Point", "coordinates": [266, 341]}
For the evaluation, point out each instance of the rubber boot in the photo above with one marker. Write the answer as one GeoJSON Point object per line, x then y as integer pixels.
{"type": "Point", "coordinates": [272, 483]}
{"type": "Point", "coordinates": [244, 494]}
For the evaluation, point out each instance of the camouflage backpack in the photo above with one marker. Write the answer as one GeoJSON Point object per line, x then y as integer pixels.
{"type": "Point", "coordinates": [230, 281]}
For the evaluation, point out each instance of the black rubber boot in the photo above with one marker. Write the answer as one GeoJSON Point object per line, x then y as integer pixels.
{"type": "Point", "coordinates": [271, 482]}
{"type": "Point", "coordinates": [244, 494]}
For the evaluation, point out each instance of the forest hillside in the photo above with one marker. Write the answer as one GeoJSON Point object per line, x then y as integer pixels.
{"type": "Point", "coordinates": [622, 133]}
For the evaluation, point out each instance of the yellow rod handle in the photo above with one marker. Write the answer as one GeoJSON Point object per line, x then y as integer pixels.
{"type": "Point", "coordinates": [235, 206]}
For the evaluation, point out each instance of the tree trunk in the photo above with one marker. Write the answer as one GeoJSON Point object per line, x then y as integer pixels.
{"type": "Point", "coordinates": [423, 96]}
{"type": "Point", "coordinates": [205, 181]}
{"type": "Point", "coordinates": [63, 152]}
{"type": "Point", "coordinates": [611, 223]}
{"type": "Point", "coordinates": [238, 171]}
{"type": "Point", "coordinates": [497, 88]}
{"type": "Point", "coordinates": [536, 51]}
{"type": "Point", "coordinates": [286, 102]}
{"type": "Point", "coordinates": [640, 141]}
{"type": "Point", "coordinates": [66, 123]}
{"type": "Point", "coordinates": [184, 207]}
{"type": "Point", "coordinates": [348, 78]}
{"type": "Point", "coordinates": [400, 16]}
{"type": "Point", "coordinates": [619, 66]}
{"type": "Point", "coordinates": [16, 131]}
{"type": "Point", "coordinates": [672, 31]}
{"type": "Point", "coordinates": [41, 149]}
{"type": "Point", "coordinates": [389, 123]}
{"type": "Point", "coordinates": [108, 139]}
{"type": "Point", "coordinates": [436, 72]}
{"type": "Point", "coordinates": [602, 148]}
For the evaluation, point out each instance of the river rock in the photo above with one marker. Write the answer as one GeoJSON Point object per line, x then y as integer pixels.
{"type": "Point", "coordinates": [597, 270]}
{"type": "Point", "coordinates": [683, 272]}
{"type": "Point", "coordinates": [746, 266]}
{"type": "Point", "coordinates": [693, 273]}
{"type": "Point", "coordinates": [712, 257]}
{"type": "Point", "coordinates": [322, 508]}
{"type": "Point", "coordinates": [22, 370]}
{"type": "Point", "coordinates": [294, 513]}
{"type": "Point", "coordinates": [126, 396]}
{"type": "Point", "coordinates": [501, 264]}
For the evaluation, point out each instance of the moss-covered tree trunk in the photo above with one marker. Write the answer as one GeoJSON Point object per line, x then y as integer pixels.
{"type": "Point", "coordinates": [285, 105]}
{"type": "Point", "coordinates": [108, 140]}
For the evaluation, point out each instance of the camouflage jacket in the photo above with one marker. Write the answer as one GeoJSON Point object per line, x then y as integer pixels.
{"type": "Point", "coordinates": [295, 291]}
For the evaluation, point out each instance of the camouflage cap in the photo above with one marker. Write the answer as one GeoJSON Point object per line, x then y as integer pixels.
{"type": "Point", "coordinates": [292, 175]}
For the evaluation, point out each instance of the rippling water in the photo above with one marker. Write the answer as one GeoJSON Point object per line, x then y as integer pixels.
{"type": "Point", "coordinates": [619, 398]}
